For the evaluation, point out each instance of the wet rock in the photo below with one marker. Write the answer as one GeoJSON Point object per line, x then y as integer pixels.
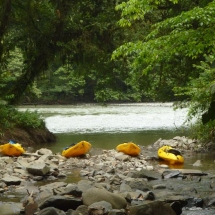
{"type": "Point", "coordinates": [195, 202]}
{"type": "Point", "coordinates": [54, 185]}
{"type": "Point", "coordinates": [81, 210]}
{"type": "Point", "coordinates": [93, 195]}
{"type": "Point", "coordinates": [150, 175]}
{"type": "Point", "coordinates": [152, 208]}
{"type": "Point", "coordinates": [197, 211]}
{"type": "Point", "coordinates": [177, 207]}
{"type": "Point", "coordinates": [149, 196]}
{"type": "Point", "coordinates": [138, 184]}
{"type": "Point", "coordinates": [71, 189]}
{"type": "Point", "coordinates": [51, 211]}
{"type": "Point", "coordinates": [198, 163]}
{"type": "Point", "coordinates": [40, 169]}
{"type": "Point", "coordinates": [61, 202]}
{"type": "Point", "coordinates": [117, 212]}
{"type": "Point", "coordinates": [159, 186]}
{"type": "Point", "coordinates": [11, 180]}
{"type": "Point", "coordinates": [194, 172]}
{"type": "Point", "coordinates": [170, 173]}
{"type": "Point", "coordinates": [101, 207]}
{"type": "Point", "coordinates": [43, 195]}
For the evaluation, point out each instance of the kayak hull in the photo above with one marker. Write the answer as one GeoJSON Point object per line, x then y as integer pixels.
{"type": "Point", "coordinates": [78, 149]}
{"type": "Point", "coordinates": [169, 157]}
{"type": "Point", "coordinates": [12, 149]}
{"type": "Point", "coordinates": [129, 148]}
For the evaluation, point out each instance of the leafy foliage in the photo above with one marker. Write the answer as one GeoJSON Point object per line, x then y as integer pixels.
{"type": "Point", "coordinates": [11, 117]}
{"type": "Point", "coordinates": [180, 37]}
{"type": "Point", "coordinates": [201, 93]}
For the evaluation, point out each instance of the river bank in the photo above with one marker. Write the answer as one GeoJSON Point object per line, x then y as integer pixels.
{"type": "Point", "coordinates": [108, 182]}
{"type": "Point", "coordinates": [28, 137]}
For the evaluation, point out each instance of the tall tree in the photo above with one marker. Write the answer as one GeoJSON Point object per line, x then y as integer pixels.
{"type": "Point", "coordinates": [178, 39]}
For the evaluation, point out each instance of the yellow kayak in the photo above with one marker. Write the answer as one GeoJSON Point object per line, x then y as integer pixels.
{"type": "Point", "coordinates": [78, 149]}
{"type": "Point", "coordinates": [170, 155]}
{"type": "Point", "coordinates": [12, 149]}
{"type": "Point", "coordinates": [129, 148]}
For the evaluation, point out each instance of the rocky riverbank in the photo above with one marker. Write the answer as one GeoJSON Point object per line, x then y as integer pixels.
{"type": "Point", "coordinates": [109, 183]}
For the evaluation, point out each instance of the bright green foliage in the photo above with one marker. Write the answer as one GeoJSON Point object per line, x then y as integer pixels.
{"type": "Point", "coordinates": [173, 44]}
{"type": "Point", "coordinates": [179, 37]}
{"type": "Point", "coordinates": [62, 84]}
{"type": "Point", "coordinates": [189, 34]}
{"type": "Point", "coordinates": [11, 117]}
{"type": "Point", "coordinates": [136, 10]}
{"type": "Point", "coordinates": [201, 92]}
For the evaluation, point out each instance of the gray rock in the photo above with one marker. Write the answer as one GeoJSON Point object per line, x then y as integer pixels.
{"type": "Point", "coordinates": [44, 151]}
{"type": "Point", "coordinates": [198, 163]}
{"type": "Point", "coordinates": [152, 208]}
{"type": "Point", "coordinates": [71, 189]}
{"type": "Point", "coordinates": [81, 210]}
{"type": "Point", "coordinates": [150, 175]}
{"type": "Point", "coordinates": [117, 212]}
{"type": "Point", "coordinates": [61, 202]}
{"type": "Point", "coordinates": [125, 188]}
{"type": "Point", "coordinates": [198, 211]}
{"type": "Point", "coordinates": [171, 173]}
{"type": "Point", "coordinates": [51, 211]}
{"type": "Point", "coordinates": [122, 157]}
{"type": "Point", "coordinates": [42, 196]}
{"type": "Point", "coordinates": [10, 208]}
{"type": "Point", "coordinates": [38, 169]}
{"type": "Point", "coordinates": [138, 184]}
{"type": "Point", "coordinates": [84, 185]}
{"type": "Point", "coordinates": [53, 185]}
{"type": "Point", "coordinates": [101, 206]}
{"type": "Point", "coordinates": [11, 180]}
{"type": "Point", "coordinates": [96, 195]}
{"type": "Point", "coordinates": [159, 186]}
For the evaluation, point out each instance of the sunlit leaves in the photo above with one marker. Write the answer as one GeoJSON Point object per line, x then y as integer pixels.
{"type": "Point", "coordinates": [200, 90]}
{"type": "Point", "coordinates": [136, 9]}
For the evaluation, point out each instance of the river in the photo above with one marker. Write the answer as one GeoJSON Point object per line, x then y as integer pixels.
{"type": "Point", "coordinates": [106, 126]}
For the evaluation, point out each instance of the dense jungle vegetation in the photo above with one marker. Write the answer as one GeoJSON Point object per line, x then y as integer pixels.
{"type": "Point", "coordinates": [108, 51]}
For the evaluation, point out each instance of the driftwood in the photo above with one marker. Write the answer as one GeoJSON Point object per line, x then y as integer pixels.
{"type": "Point", "coordinates": [30, 204]}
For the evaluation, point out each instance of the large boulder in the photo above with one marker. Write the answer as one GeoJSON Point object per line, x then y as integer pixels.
{"type": "Point", "coordinates": [93, 195]}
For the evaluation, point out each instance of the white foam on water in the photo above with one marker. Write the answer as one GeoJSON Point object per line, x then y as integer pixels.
{"type": "Point", "coordinates": [88, 118]}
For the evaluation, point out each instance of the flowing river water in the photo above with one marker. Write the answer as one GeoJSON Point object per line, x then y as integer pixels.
{"type": "Point", "coordinates": [106, 126]}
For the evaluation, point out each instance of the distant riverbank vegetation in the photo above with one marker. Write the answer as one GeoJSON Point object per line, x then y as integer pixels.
{"type": "Point", "coordinates": [66, 52]}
